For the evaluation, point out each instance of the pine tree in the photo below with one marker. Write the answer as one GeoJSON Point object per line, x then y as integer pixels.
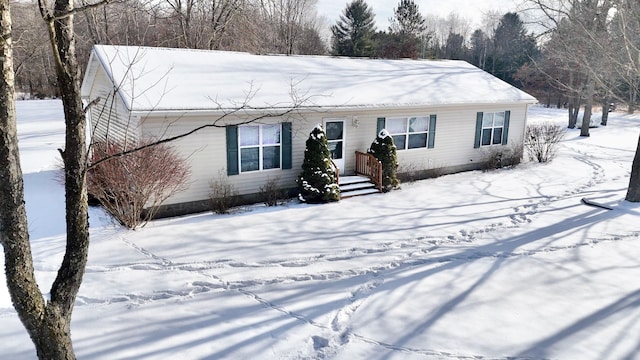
{"type": "Point", "coordinates": [512, 47]}
{"type": "Point", "coordinates": [384, 150]}
{"type": "Point", "coordinates": [407, 20]}
{"type": "Point", "coordinates": [407, 26]}
{"type": "Point", "coordinates": [317, 182]}
{"type": "Point", "coordinates": [353, 33]}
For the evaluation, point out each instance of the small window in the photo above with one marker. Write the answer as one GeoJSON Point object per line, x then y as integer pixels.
{"type": "Point", "coordinates": [408, 132]}
{"type": "Point", "coordinates": [259, 147]}
{"type": "Point", "coordinates": [492, 128]}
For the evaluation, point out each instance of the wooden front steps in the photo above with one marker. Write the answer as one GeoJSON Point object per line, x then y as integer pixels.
{"type": "Point", "coordinates": [356, 186]}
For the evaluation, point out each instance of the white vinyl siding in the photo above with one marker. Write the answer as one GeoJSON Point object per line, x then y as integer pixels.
{"type": "Point", "coordinates": [109, 118]}
{"type": "Point", "coordinates": [206, 149]}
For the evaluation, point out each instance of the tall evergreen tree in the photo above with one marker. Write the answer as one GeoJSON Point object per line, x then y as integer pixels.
{"type": "Point", "coordinates": [454, 47]}
{"type": "Point", "coordinates": [353, 33]}
{"type": "Point", "coordinates": [318, 181]}
{"type": "Point", "coordinates": [479, 48]}
{"type": "Point", "coordinates": [405, 30]}
{"type": "Point", "coordinates": [407, 19]}
{"type": "Point", "coordinates": [512, 47]}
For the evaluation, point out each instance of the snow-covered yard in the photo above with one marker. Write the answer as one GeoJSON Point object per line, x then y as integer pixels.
{"type": "Point", "coordinates": [499, 265]}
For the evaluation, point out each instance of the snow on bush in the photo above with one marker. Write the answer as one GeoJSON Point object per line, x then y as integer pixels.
{"type": "Point", "coordinates": [318, 181]}
{"type": "Point", "coordinates": [384, 150]}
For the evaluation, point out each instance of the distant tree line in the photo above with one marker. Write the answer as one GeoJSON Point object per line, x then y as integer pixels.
{"type": "Point", "coordinates": [257, 26]}
{"type": "Point", "coordinates": [502, 49]}
{"type": "Point", "coordinates": [562, 66]}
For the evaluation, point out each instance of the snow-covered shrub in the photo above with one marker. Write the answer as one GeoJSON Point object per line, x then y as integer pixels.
{"type": "Point", "coordinates": [133, 186]}
{"type": "Point", "coordinates": [541, 141]}
{"type": "Point", "coordinates": [384, 150]}
{"type": "Point", "coordinates": [318, 181]}
{"type": "Point", "coordinates": [271, 193]}
{"type": "Point", "coordinates": [222, 194]}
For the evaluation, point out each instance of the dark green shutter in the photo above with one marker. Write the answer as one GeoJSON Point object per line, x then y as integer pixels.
{"type": "Point", "coordinates": [432, 132]}
{"type": "Point", "coordinates": [478, 129]}
{"type": "Point", "coordinates": [287, 151]}
{"type": "Point", "coordinates": [232, 150]}
{"type": "Point", "coordinates": [380, 125]}
{"type": "Point", "coordinates": [505, 130]}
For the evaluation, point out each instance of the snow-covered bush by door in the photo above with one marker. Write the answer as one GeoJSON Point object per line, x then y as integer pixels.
{"type": "Point", "coordinates": [384, 150]}
{"type": "Point", "coordinates": [318, 181]}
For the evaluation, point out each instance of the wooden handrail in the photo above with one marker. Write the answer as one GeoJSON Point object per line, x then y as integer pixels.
{"type": "Point", "coordinates": [337, 171]}
{"type": "Point", "coordinates": [367, 165]}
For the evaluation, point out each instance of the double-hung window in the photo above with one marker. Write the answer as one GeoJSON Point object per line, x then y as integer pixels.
{"type": "Point", "coordinates": [492, 128]}
{"type": "Point", "coordinates": [410, 132]}
{"type": "Point", "coordinates": [259, 147]}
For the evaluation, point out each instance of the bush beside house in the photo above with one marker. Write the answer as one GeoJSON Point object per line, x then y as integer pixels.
{"type": "Point", "coordinates": [384, 150]}
{"type": "Point", "coordinates": [318, 181]}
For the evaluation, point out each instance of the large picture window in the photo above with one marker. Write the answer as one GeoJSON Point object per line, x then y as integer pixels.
{"type": "Point", "coordinates": [259, 147]}
{"type": "Point", "coordinates": [408, 132]}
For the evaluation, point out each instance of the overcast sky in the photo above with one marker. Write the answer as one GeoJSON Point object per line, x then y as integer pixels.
{"type": "Point", "coordinates": [473, 10]}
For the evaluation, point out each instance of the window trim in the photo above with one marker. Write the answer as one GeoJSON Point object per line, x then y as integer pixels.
{"type": "Point", "coordinates": [260, 147]}
{"type": "Point", "coordinates": [480, 129]}
{"type": "Point", "coordinates": [492, 128]}
{"type": "Point", "coordinates": [429, 132]}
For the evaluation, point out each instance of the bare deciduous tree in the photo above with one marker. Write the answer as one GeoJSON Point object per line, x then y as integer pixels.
{"type": "Point", "coordinates": [203, 23]}
{"type": "Point", "coordinates": [602, 44]}
{"type": "Point", "coordinates": [47, 322]}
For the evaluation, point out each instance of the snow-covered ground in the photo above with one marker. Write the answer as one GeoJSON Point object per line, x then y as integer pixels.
{"type": "Point", "coordinates": [499, 265]}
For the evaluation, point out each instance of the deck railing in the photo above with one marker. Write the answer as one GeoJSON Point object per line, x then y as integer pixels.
{"type": "Point", "coordinates": [367, 165]}
{"type": "Point", "coordinates": [337, 171]}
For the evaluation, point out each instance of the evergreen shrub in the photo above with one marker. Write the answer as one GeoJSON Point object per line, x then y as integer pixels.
{"type": "Point", "coordinates": [384, 150]}
{"type": "Point", "coordinates": [318, 181]}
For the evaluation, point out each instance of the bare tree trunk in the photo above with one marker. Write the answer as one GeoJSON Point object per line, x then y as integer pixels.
{"type": "Point", "coordinates": [25, 294]}
{"type": "Point", "coordinates": [606, 107]}
{"type": "Point", "coordinates": [632, 98]}
{"type": "Point", "coordinates": [588, 108]}
{"type": "Point", "coordinates": [574, 109]}
{"type": "Point", "coordinates": [633, 192]}
{"type": "Point", "coordinates": [49, 325]}
{"type": "Point", "coordinates": [574, 102]}
{"type": "Point", "coordinates": [67, 283]}
{"type": "Point", "coordinates": [46, 324]}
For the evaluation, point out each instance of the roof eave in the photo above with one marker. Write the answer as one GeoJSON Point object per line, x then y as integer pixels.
{"type": "Point", "coordinates": [278, 111]}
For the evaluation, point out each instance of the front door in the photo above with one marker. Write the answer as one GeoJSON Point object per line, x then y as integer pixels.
{"type": "Point", "coordinates": [335, 138]}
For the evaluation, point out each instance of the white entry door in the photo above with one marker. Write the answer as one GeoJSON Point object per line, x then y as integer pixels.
{"type": "Point", "coordinates": [335, 137]}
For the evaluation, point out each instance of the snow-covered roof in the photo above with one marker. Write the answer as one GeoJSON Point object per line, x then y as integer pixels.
{"type": "Point", "coordinates": [163, 79]}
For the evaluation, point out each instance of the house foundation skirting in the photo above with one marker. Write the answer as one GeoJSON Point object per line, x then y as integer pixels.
{"type": "Point", "coordinates": [193, 207]}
